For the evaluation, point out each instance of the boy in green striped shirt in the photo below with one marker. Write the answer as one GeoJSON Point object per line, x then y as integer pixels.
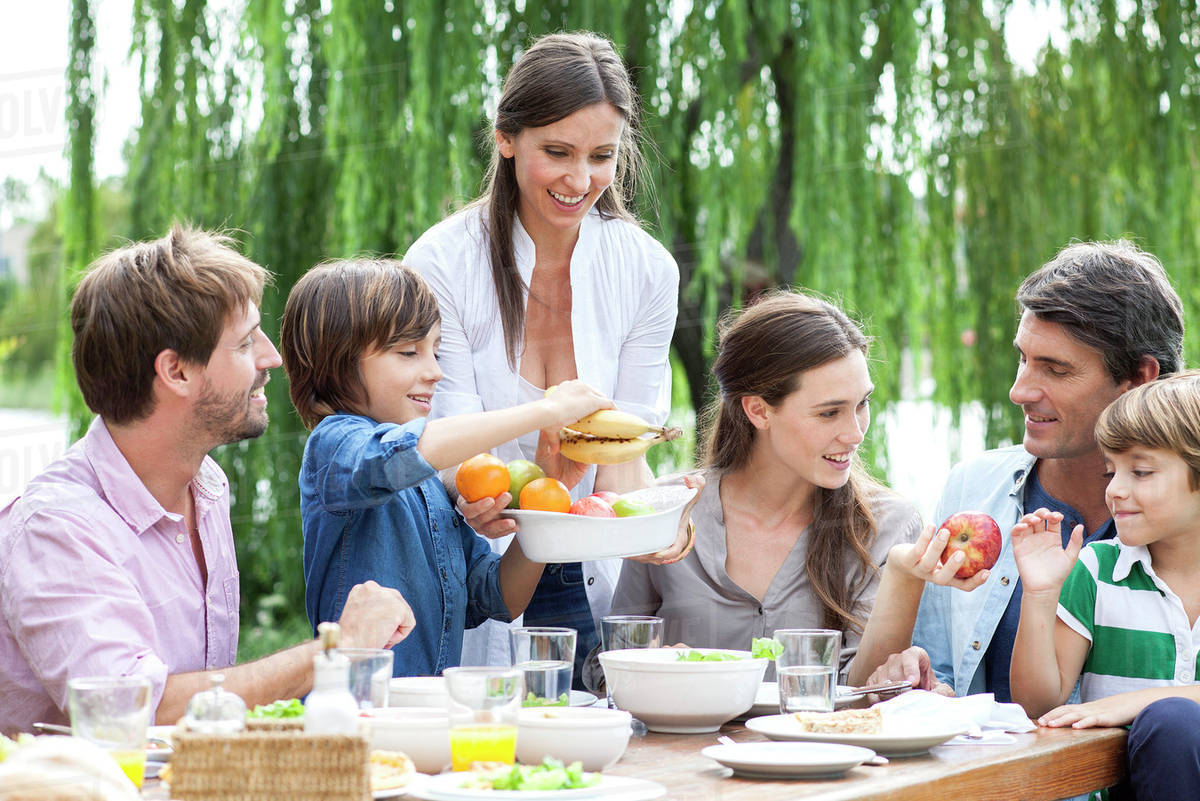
{"type": "Point", "coordinates": [1120, 617]}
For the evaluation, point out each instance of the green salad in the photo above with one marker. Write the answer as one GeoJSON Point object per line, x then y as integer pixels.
{"type": "Point", "coordinates": [550, 775]}
{"type": "Point", "coordinates": [761, 648]}
{"type": "Point", "coordinates": [291, 708]}
{"type": "Point", "coordinates": [533, 699]}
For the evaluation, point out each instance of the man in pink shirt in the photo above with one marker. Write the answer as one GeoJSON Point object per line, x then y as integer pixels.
{"type": "Point", "coordinates": [118, 559]}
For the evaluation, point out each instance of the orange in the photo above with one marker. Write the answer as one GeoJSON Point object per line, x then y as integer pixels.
{"type": "Point", "coordinates": [546, 495]}
{"type": "Point", "coordinates": [482, 476]}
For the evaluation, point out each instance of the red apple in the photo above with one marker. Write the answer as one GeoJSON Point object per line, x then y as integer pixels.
{"type": "Point", "coordinates": [608, 497]}
{"type": "Point", "coordinates": [591, 506]}
{"type": "Point", "coordinates": [977, 536]}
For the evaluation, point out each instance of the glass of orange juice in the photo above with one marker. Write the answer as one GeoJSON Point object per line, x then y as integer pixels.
{"type": "Point", "coordinates": [483, 704]}
{"type": "Point", "coordinates": [113, 712]}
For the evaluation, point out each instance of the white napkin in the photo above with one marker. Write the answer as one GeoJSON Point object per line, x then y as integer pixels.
{"type": "Point", "coordinates": [985, 721]}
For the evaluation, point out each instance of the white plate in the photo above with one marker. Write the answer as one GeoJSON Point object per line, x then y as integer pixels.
{"type": "Point", "coordinates": [896, 739]}
{"type": "Point", "coordinates": [559, 537]}
{"type": "Point", "coordinates": [446, 787]}
{"type": "Point", "coordinates": [581, 698]}
{"type": "Point", "coordinates": [766, 700]}
{"type": "Point", "coordinates": [159, 754]}
{"type": "Point", "coordinates": [788, 760]}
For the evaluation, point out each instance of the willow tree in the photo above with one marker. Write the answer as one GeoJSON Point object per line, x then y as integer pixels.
{"type": "Point", "coordinates": [885, 152]}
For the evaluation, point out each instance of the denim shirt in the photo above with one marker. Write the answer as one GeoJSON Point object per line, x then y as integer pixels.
{"type": "Point", "coordinates": [956, 627]}
{"type": "Point", "coordinates": [373, 508]}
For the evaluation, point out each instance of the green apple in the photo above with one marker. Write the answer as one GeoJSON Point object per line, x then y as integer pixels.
{"type": "Point", "coordinates": [520, 473]}
{"type": "Point", "coordinates": [631, 508]}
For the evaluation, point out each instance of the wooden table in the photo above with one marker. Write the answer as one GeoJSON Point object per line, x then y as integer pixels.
{"type": "Point", "coordinates": [1041, 766]}
{"type": "Point", "coordinates": [1044, 765]}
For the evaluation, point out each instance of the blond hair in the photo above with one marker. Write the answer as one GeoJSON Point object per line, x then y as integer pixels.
{"type": "Point", "coordinates": [1163, 414]}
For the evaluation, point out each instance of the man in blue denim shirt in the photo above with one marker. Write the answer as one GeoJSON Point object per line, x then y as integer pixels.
{"type": "Point", "coordinates": [1097, 320]}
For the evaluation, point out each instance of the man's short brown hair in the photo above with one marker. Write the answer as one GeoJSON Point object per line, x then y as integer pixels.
{"type": "Point", "coordinates": [175, 293]}
{"type": "Point", "coordinates": [339, 312]}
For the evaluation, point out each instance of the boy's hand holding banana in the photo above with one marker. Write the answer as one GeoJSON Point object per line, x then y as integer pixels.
{"type": "Point", "coordinates": [607, 436]}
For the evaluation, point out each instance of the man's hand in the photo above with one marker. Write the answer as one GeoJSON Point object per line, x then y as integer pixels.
{"type": "Point", "coordinates": [484, 516]}
{"type": "Point", "coordinates": [911, 665]}
{"type": "Point", "coordinates": [375, 617]}
{"type": "Point", "coordinates": [685, 541]}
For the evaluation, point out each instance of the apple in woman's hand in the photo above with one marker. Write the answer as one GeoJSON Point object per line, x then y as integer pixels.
{"type": "Point", "coordinates": [977, 536]}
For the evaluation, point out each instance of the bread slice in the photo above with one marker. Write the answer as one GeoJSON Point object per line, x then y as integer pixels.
{"type": "Point", "coordinates": [390, 769]}
{"type": "Point", "coordinates": [846, 721]}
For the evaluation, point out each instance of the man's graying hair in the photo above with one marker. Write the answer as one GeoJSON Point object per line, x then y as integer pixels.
{"type": "Point", "coordinates": [1113, 297]}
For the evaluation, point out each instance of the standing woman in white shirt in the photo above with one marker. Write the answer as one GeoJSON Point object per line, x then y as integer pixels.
{"type": "Point", "coordinates": [547, 277]}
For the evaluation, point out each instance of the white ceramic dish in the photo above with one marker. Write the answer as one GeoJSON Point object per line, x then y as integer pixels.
{"type": "Point", "coordinates": [418, 691]}
{"type": "Point", "coordinates": [595, 737]}
{"type": "Point", "coordinates": [783, 760]}
{"type": "Point", "coordinates": [581, 698]}
{"type": "Point", "coordinates": [766, 700]}
{"type": "Point", "coordinates": [447, 787]}
{"type": "Point", "coordinates": [156, 753]}
{"type": "Point", "coordinates": [896, 740]}
{"type": "Point", "coordinates": [680, 697]}
{"type": "Point", "coordinates": [558, 537]}
{"type": "Point", "coordinates": [421, 732]}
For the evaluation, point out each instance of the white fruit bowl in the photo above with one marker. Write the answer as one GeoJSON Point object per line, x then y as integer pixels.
{"type": "Point", "coordinates": [421, 732]}
{"type": "Point", "coordinates": [429, 691]}
{"type": "Point", "coordinates": [560, 537]}
{"type": "Point", "coordinates": [594, 736]}
{"type": "Point", "coordinates": [681, 697]}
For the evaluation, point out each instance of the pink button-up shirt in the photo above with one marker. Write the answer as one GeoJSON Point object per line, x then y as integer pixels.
{"type": "Point", "coordinates": [97, 579]}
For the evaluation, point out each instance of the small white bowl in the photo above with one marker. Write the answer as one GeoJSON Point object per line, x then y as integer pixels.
{"type": "Point", "coordinates": [421, 732]}
{"type": "Point", "coordinates": [596, 737]}
{"type": "Point", "coordinates": [418, 691]}
{"type": "Point", "coordinates": [561, 537]}
{"type": "Point", "coordinates": [681, 697]}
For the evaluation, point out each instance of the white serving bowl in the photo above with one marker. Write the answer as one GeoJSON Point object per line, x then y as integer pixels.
{"type": "Point", "coordinates": [418, 691]}
{"type": "Point", "coordinates": [670, 695]}
{"type": "Point", "coordinates": [421, 732]}
{"type": "Point", "coordinates": [561, 537]}
{"type": "Point", "coordinates": [596, 737]}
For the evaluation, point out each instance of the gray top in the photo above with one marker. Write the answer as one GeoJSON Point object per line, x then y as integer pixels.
{"type": "Point", "coordinates": [704, 608]}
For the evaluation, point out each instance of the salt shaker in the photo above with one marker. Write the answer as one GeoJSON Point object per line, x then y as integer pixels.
{"type": "Point", "coordinates": [330, 708]}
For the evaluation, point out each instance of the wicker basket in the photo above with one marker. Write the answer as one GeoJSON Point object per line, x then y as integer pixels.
{"type": "Point", "coordinates": [275, 724]}
{"type": "Point", "coordinates": [270, 766]}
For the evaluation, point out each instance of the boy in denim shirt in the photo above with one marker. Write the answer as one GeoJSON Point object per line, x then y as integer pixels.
{"type": "Point", "coordinates": [359, 341]}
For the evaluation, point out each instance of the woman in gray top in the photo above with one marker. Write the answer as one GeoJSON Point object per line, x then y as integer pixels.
{"type": "Point", "coordinates": [791, 532]}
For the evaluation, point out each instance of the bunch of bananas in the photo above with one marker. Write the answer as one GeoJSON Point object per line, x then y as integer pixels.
{"type": "Point", "coordinates": [612, 437]}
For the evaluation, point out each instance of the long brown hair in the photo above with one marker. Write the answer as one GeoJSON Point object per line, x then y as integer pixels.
{"type": "Point", "coordinates": [558, 75]}
{"type": "Point", "coordinates": [764, 350]}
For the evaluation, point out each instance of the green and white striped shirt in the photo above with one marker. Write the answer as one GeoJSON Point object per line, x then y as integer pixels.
{"type": "Point", "coordinates": [1137, 627]}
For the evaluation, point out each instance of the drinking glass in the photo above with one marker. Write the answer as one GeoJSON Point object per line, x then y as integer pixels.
{"type": "Point", "coordinates": [483, 704]}
{"type": "Point", "coordinates": [113, 712]}
{"type": "Point", "coordinates": [807, 669]}
{"type": "Point", "coordinates": [370, 674]}
{"type": "Point", "coordinates": [629, 631]}
{"type": "Point", "coordinates": [546, 656]}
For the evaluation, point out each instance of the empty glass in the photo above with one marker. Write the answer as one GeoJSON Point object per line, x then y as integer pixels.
{"type": "Point", "coordinates": [546, 656]}
{"type": "Point", "coordinates": [618, 632]}
{"type": "Point", "coordinates": [370, 675]}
